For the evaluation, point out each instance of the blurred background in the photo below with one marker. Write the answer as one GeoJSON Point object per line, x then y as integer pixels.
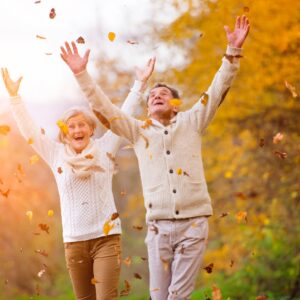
{"type": "Point", "coordinates": [251, 151]}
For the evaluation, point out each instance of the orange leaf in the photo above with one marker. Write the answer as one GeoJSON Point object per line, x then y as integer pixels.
{"type": "Point", "coordinates": [52, 13]}
{"type": "Point", "coordinates": [111, 36]}
{"type": "Point", "coordinates": [34, 159]}
{"type": "Point", "coordinates": [241, 215]}
{"type": "Point", "coordinates": [80, 40]}
{"type": "Point", "coordinates": [204, 99]}
{"type": "Point", "coordinates": [4, 129]}
{"type": "Point", "coordinates": [216, 293]}
{"type": "Point", "coordinates": [127, 261]}
{"type": "Point", "coordinates": [175, 102]}
{"type": "Point", "coordinates": [107, 227]}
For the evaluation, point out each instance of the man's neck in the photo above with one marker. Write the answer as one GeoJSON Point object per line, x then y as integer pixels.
{"type": "Point", "coordinates": [163, 119]}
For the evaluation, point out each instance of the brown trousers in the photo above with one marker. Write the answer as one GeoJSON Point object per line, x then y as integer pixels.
{"type": "Point", "coordinates": [94, 267]}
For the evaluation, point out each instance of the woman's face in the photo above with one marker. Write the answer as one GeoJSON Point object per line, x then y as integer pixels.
{"type": "Point", "coordinates": [79, 132]}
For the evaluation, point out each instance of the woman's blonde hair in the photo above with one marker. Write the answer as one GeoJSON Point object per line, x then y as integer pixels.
{"type": "Point", "coordinates": [73, 112]}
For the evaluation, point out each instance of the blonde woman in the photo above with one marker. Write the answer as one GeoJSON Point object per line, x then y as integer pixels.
{"type": "Point", "coordinates": [83, 170]}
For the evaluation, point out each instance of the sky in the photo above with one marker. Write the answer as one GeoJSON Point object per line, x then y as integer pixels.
{"type": "Point", "coordinates": [48, 87]}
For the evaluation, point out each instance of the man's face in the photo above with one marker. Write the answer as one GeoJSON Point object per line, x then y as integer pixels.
{"type": "Point", "coordinates": [159, 102]}
{"type": "Point", "coordinates": [79, 132]}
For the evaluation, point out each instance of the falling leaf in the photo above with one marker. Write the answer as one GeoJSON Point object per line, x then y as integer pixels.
{"type": "Point", "coordinates": [179, 171]}
{"type": "Point", "coordinates": [52, 13]}
{"type": "Point", "coordinates": [224, 214]}
{"type": "Point", "coordinates": [107, 227]}
{"type": "Point", "coordinates": [132, 42]}
{"type": "Point", "coordinates": [80, 40]}
{"type": "Point", "coordinates": [261, 143]}
{"type": "Point", "coordinates": [204, 98]}
{"type": "Point", "coordinates": [40, 37]}
{"type": "Point", "coordinates": [127, 261]}
{"type": "Point", "coordinates": [228, 174]}
{"type": "Point", "coordinates": [29, 214]}
{"type": "Point", "coordinates": [37, 290]}
{"type": "Point", "coordinates": [44, 227]}
{"type": "Point", "coordinates": [292, 89]}
{"type": "Point", "coordinates": [41, 273]}
{"type": "Point", "coordinates": [186, 174]}
{"type": "Point", "coordinates": [246, 9]}
{"type": "Point", "coordinates": [147, 123]}
{"type": "Point", "coordinates": [123, 193]}
{"type": "Point", "coordinates": [37, 2]}
{"type": "Point", "coordinates": [114, 216]}
{"type": "Point", "coordinates": [146, 140]}
{"type": "Point", "coordinates": [62, 126]}
{"type": "Point", "coordinates": [231, 57]}
{"type": "Point", "coordinates": [48, 53]}
{"type": "Point", "coordinates": [216, 293]}
{"type": "Point", "coordinates": [50, 213]}
{"type": "Point", "coordinates": [5, 194]}
{"type": "Point", "coordinates": [43, 131]}
{"type": "Point", "coordinates": [111, 36]}
{"type": "Point", "coordinates": [59, 170]}
{"type": "Point", "coordinates": [4, 129]}
{"type": "Point", "coordinates": [89, 156]}
{"type": "Point", "coordinates": [209, 268]}
{"type": "Point", "coordinates": [241, 195]}
{"type": "Point", "coordinates": [175, 102]}
{"type": "Point", "coordinates": [241, 215]}
{"type": "Point", "coordinates": [280, 154]}
{"type": "Point", "coordinates": [231, 263]}
{"type": "Point", "coordinates": [277, 138]}
{"type": "Point", "coordinates": [94, 281]}
{"type": "Point", "coordinates": [114, 119]}
{"type": "Point", "coordinates": [30, 141]}
{"type": "Point", "coordinates": [155, 290]}
{"type": "Point", "coordinates": [34, 159]}
{"type": "Point", "coordinates": [111, 157]}
{"type": "Point", "coordinates": [41, 252]}
{"type": "Point", "coordinates": [137, 227]}
{"type": "Point", "coordinates": [127, 289]}
{"type": "Point", "coordinates": [144, 258]}
{"type": "Point", "coordinates": [137, 276]}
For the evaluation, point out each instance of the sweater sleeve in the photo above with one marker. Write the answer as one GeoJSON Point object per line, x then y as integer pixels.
{"type": "Point", "coordinates": [119, 121]}
{"type": "Point", "coordinates": [42, 144]}
{"type": "Point", "coordinates": [204, 110]}
{"type": "Point", "coordinates": [130, 106]}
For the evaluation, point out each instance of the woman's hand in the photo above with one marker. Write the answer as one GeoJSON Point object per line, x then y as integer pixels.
{"type": "Point", "coordinates": [11, 86]}
{"type": "Point", "coordinates": [71, 57]}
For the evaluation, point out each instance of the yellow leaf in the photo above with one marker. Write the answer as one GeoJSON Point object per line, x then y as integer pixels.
{"type": "Point", "coordinates": [179, 171]}
{"type": "Point", "coordinates": [107, 227]}
{"type": "Point", "coordinates": [4, 129]}
{"type": "Point", "coordinates": [30, 141]}
{"type": "Point", "coordinates": [29, 214]}
{"type": "Point", "coordinates": [241, 215]}
{"type": "Point", "coordinates": [62, 126]}
{"type": "Point", "coordinates": [228, 174]}
{"type": "Point", "coordinates": [94, 281]}
{"type": "Point", "coordinates": [175, 102]}
{"type": "Point", "coordinates": [204, 99]}
{"type": "Point", "coordinates": [50, 213]}
{"type": "Point", "coordinates": [147, 123]}
{"type": "Point", "coordinates": [111, 36]}
{"type": "Point", "coordinates": [34, 159]}
{"type": "Point", "coordinates": [292, 89]}
{"type": "Point", "coordinates": [89, 156]}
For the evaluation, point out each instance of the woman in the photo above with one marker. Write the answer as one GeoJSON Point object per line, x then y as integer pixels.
{"type": "Point", "coordinates": [83, 168]}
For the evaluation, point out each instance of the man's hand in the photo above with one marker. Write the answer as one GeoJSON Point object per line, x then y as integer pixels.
{"type": "Point", "coordinates": [144, 74]}
{"type": "Point", "coordinates": [237, 37]}
{"type": "Point", "coordinates": [76, 63]}
{"type": "Point", "coordinates": [11, 86]}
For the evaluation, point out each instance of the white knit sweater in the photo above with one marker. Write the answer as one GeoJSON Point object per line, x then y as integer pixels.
{"type": "Point", "coordinates": [85, 203]}
{"type": "Point", "coordinates": [163, 151]}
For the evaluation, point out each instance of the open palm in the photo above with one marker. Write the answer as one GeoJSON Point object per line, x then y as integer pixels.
{"type": "Point", "coordinates": [72, 58]}
{"type": "Point", "coordinates": [11, 86]}
{"type": "Point", "coordinates": [237, 37]}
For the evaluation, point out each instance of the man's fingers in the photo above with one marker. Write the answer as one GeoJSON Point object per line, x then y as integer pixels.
{"type": "Point", "coordinates": [227, 30]}
{"type": "Point", "coordinates": [238, 22]}
{"type": "Point", "coordinates": [74, 47]}
{"type": "Point", "coordinates": [63, 57]}
{"type": "Point", "coordinates": [69, 51]}
{"type": "Point", "coordinates": [19, 80]}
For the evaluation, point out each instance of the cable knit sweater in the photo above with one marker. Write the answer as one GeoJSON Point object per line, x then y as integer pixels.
{"type": "Point", "coordinates": [169, 157]}
{"type": "Point", "coordinates": [86, 203]}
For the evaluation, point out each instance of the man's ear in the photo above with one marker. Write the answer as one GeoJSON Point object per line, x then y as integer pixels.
{"type": "Point", "coordinates": [175, 109]}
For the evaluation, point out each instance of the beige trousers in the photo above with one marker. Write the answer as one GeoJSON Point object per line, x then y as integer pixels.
{"type": "Point", "coordinates": [175, 252]}
{"type": "Point", "coordinates": [94, 267]}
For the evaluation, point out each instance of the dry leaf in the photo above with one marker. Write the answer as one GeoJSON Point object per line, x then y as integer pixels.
{"type": "Point", "coordinates": [5, 194]}
{"type": "Point", "coordinates": [48, 53]}
{"type": "Point", "coordinates": [137, 276]}
{"type": "Point", "coordinates": [127, 261]}
{"type": "Point", "coordinates": [175, 102]}
{"type": "Point", "coordinates": [37, 290]}
{"type": "Point", "coordinates": [107, 227]}
{"type": "Point", "coordinates": [50, 213]}
{"type": "Point", "coordinates": [241, 215]}
{"type": "Point", "coordinates": [246, 9]}
{"type": "Point", "coordinates": [4, 129]}
{"type": "Point", "coordinates": [41, 273]}
{"type": "Point", "coordinates": [224, 214]}
{"type": "Point", "coordinates": [209, 268]}
{"type": "Point", "coordinates": [280, 154]}
{"type": "Point", "coordinates": [94, 281]}
{"type": "Point", "coordinates": [114, 216]}
{"type": "Point", "coordinates": [146, 140]}
{"type": "Point", "coordinates": [277, 138]}
{"type": "Point", "coordinates": [89, 156]}
{"type": "Point", "coordinates": [231, 263]}
{"type": "Point", "coordinates": [111, 157]}
{"type": "Point", "coordinates": [165, 264]}
{"type": "Point", "coordinates": [127, 289]}
{"type": "Point", "coordinates": [80, 40]}
{"type": "Point", "coordinates": [292, 89]}
{"type": "Point", "coordinates": [40, 37]}
{"type": "Point", "coordinates": [30, 141]}
{"type": "Point", "coordinates": [179, 171]}
{"type": "Point", "coordinates": [147, 123]}
{"type": "Point", "coordinates": [137, 227]}
{"type": "Point", "coordinates": [59, 170]}
{"type": "Point", "coordinates": [33, 159]}
{"type": "Point", "coordinates": [62, 126]}
{"type": "Point", "coordinates": [41, 252]}
{"type": "Point", "coordinates": [43, 131]}
{"type": "Point", "coordinates": [155, 290]}
{"type": "Point", "coordinates": [261, 297]}
{"type": "Point", "coordinates": [52, 13]}
{"type": "Point", "coordinates": [111, 36]}
{"type": "Point", "coordinates": [261, 143]}
{"type": "Point", "coordinates": [132, 42]}
{"type": "Point", "coordinates": [154, 228]}
{"type": "Point", "coordinates": [216, 293]}
{"type": "Point", "coordinates": [204, 99]}
{"type": "Point", "coordinates": [44, 227]}
{"type": "Point", "coordinates": [29, 214]}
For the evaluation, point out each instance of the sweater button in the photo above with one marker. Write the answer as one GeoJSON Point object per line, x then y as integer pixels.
{"type": "Point", "coordinates": [174, 191]}
{"type": "Point", "coordinates": [177, 212]}
{"type": "Point", "coordinates": [168, 152]}
{"type": "Point", "coordinates": [150, 205]}
{"type": "Point", "coordinates": [166, 132]}
{"type": "Point", "coordinates": [171, 171]}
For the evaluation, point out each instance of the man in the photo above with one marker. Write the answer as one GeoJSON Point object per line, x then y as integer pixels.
{"type": "Point", "coordinates": [168, 148]}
